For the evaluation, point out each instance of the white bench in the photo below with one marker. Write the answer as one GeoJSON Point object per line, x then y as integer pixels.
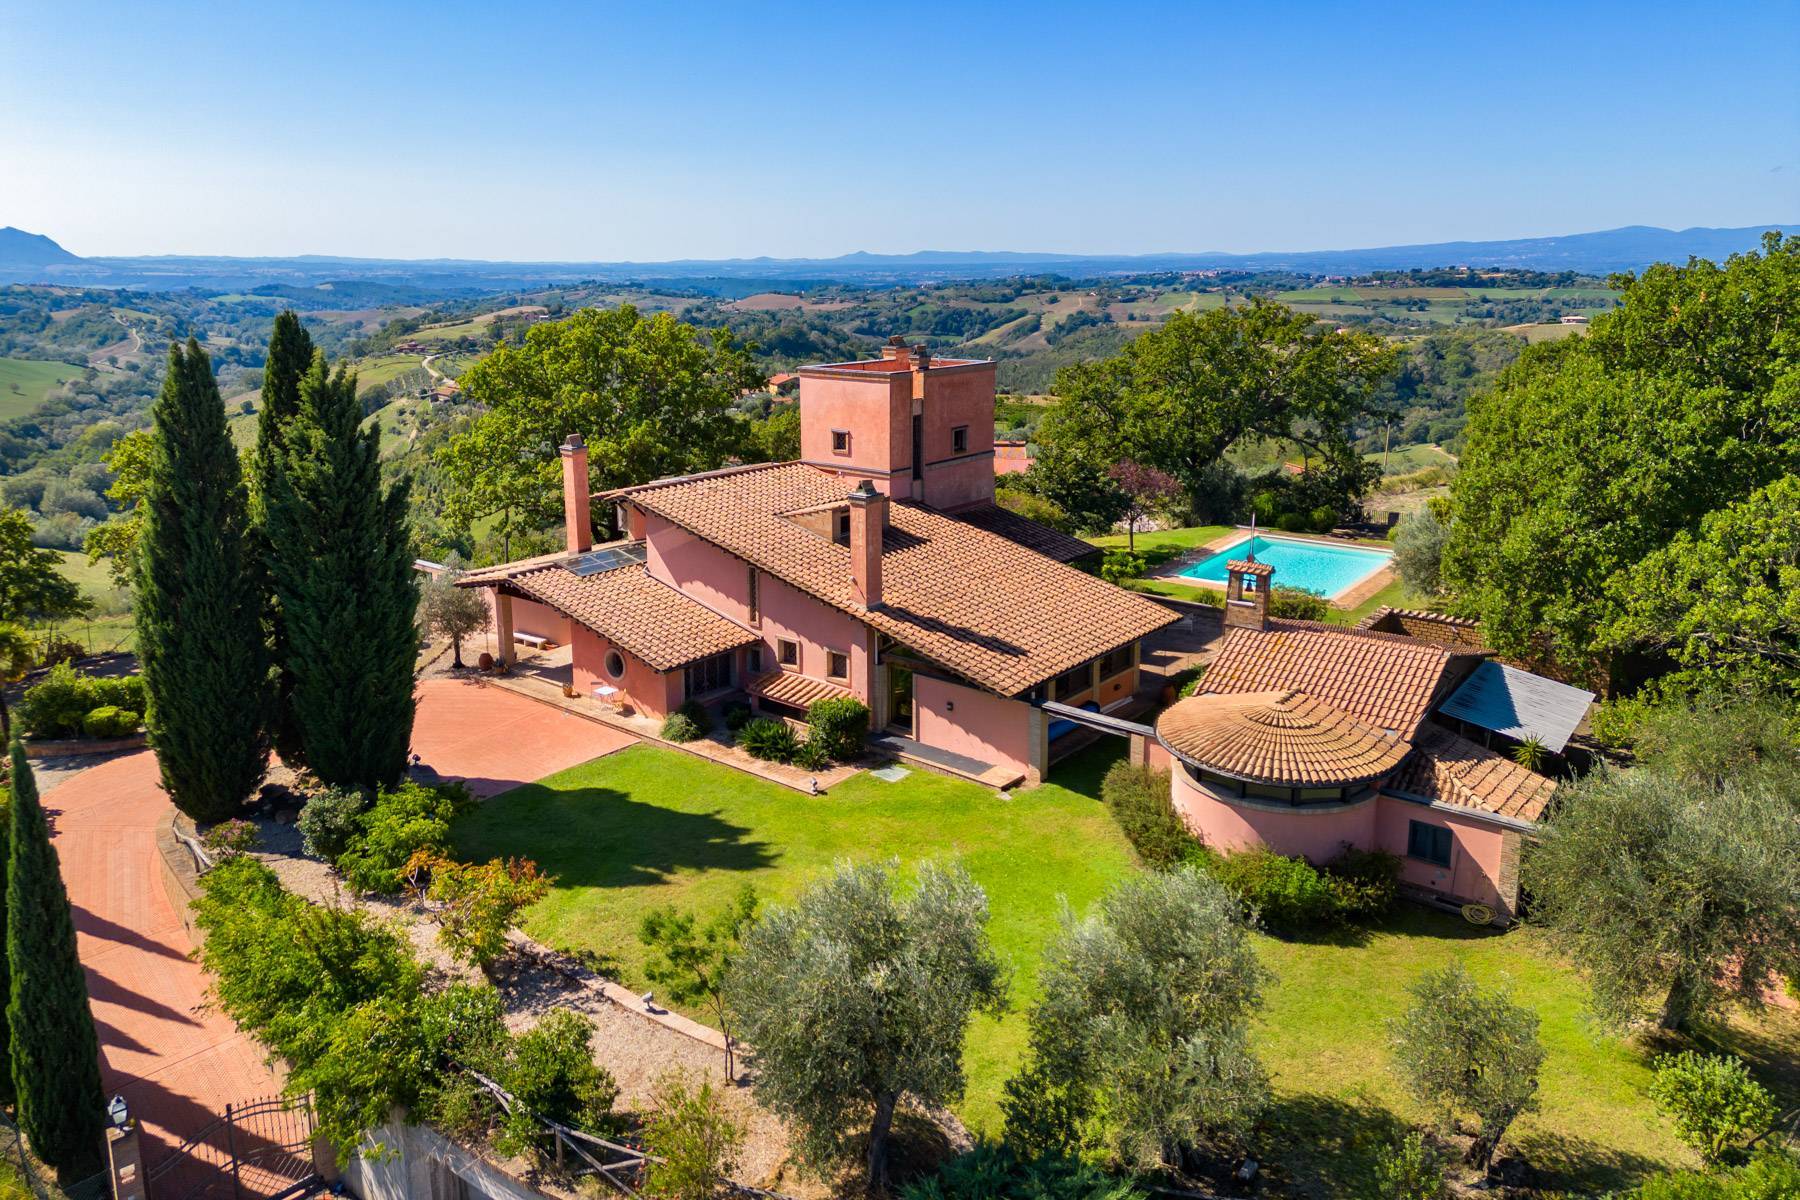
{"type": "Point", "coordinates": [534, 640]}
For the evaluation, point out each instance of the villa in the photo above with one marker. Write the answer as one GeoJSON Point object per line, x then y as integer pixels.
{"type": "Point", "coordinates": [1312, 739]}
{"type": "Point", "coordinates": [877, 566]}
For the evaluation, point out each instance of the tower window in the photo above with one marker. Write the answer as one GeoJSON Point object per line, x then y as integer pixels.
{"type": "Point", "coordinates": [959, 440]}
{"type": "Point", "coordinates": [840, 441]}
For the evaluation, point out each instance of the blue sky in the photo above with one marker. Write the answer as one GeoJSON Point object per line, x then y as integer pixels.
{"type": "Point", "coordinates": [653, 131]}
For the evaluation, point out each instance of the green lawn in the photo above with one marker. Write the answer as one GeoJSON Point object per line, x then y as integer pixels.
{"type": "Point", "coordinates": [1171, 541]}
{"type": "Point", "coordinates": [24, 382]}
{"type": "Point", "coordinates": [650, 826]}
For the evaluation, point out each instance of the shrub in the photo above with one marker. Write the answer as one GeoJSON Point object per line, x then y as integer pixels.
{"type": "Point", "coordinates": [1364, 881]}
{"type": "Point", "coordinates": [1121, 565]}
{"type": "Point", "coordinates": [696, 712]}
{"type": "Point", "coordinates": [230, 838]}
{"type": "Point", "coordinates": [768, 738]}
{"type": "Point", "coordinates": [56, 705]}
{"type": "Point", "coordinates": [59, 704]}
{"type": "Point", "coordinates": [552, 1074]}
{"type": "Point", "coordinates": [696, 1139]}
{"type": "Point", "coordinates": [1298, 604]}
{"type": "Point", "coordinates": [1138, 799]}
{"type": "Point", "coordinates": [810, 755]}
{"type": "Point", "coordinates": [998, 1172]}
{"type": "Point", "coordinates": [837, 726]}
{"type": "Point", "coordinates": [1409, 1170]}
{"type": "Point", "coordinates": [328, 821]}
{"type": "Point", "coordinates": [1772, 1175]}
{"type": "Point", "coordinates": [1286, 894]}
{"type": "Point", "coordinates": [679, 727]}
{"type": "Point", "coordinates": [737, 715]}
{"type": "Point", "coordinates": [111, 721]}
{"type": "Point", "coordinates": [411, 818]}
{"type": "Point", "coordinates": [1713, 1102]}
{"type": "Point", "coordinates": [481, 903]}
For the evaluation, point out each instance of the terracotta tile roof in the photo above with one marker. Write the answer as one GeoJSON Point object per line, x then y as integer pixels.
{"type": "Point", "coordinates": [1284, 737]}
{"type": "Point", "coordinates": [1453, 770]}
{"type": "Point", "coordinates": [791, 687]}
{"type": "Point", "coordinates": [1028, 533]}
{"type": "Point", "coordinates": [1005, 617]}
{"type": "Point", "coordinates": [643, 616]}
{"type": "Point", "coordinates": [476, 576]}
{"type": "Point", "coordinates": [1250, 566]}
{"type": "Point", "coordinates": [1381, 679]}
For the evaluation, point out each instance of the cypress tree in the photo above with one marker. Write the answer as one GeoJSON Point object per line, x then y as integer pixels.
{"type": "Point", "coordinates": [55, 1055]}
{"type": "Point", "coordinates": [198, 604]}
{"type": "Point", "coordinates": [6, 1083]}
{"type": "Point", "coordinates": [341, 562]}
{"type": "Point", "coordinates": [289, 359]}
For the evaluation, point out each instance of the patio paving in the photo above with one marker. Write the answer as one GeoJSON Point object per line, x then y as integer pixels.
{"type": "Point", "coordinates": [177, 1062]}
{"type": "Point", "coordinates": [495, 739]}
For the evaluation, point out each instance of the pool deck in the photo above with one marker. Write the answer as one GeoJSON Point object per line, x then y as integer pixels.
{"type": "Point", "coordinates": [1170, 572]}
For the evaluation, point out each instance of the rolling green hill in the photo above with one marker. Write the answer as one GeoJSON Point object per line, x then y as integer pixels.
{"type": "Point", "coordinates": [25, 382]}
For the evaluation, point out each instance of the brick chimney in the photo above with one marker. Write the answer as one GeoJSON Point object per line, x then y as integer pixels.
{"type": "Point", "coordinates": [895, 349]}
{"type": "Point", "coordinates": [868, 517]}
{"type": "Point", "coordinates": [578, 517]}
{"type": "Point", "coordinates": [1247, 587]}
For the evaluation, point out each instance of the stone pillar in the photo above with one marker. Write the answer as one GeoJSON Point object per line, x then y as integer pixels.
{"type": "Point", "coordinates": [1512, 845]}
{"type": "Point", "coordinates": [1037, 766]}
{"type": "Point", "coordinates": [503, 628]}
{"type": "Point", "coordinates": [1140, 750]}
{"type": "Point", "coordinates": [125, 1161]}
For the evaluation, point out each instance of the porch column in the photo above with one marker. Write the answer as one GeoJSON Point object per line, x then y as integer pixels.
{"type": "Point", "coordinates": [1037, 763]}
{"type": "Point", "coordinates": [503, 627]}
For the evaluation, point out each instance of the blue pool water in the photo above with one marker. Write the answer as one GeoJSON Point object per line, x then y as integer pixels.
{"type": "Point", "coordinates": [1314, 566]}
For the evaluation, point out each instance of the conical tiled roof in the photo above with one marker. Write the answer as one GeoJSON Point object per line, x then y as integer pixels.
{"type": "Point", "coordinates": [1282, 737]}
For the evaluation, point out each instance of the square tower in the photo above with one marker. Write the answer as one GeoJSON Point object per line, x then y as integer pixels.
{"type": "Point", "coordinates": [921, 428]}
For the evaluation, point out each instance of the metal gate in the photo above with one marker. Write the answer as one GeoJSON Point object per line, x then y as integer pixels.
{"type": "Point", "coordinates": [262, 1150]}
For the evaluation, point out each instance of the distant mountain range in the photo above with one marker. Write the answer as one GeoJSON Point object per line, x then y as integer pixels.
{"type": "Point", "coordinates": [34, 258]}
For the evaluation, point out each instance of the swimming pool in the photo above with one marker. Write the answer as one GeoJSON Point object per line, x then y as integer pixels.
{"type": "Point", "coordinates": [1314, 566]}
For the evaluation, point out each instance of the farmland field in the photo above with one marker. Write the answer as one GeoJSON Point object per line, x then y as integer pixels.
{"type": "Point", "coordinates": [24, 382]}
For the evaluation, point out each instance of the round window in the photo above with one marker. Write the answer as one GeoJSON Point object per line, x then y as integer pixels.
{"type": "Point", "coordinates": [615, 664]}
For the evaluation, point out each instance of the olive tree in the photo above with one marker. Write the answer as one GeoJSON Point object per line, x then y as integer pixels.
{"type": "Point", "coordinates": [1140, 1041]}
{"type": "Point", "coordinates": [859, 994]}
{"type": "Point", "coordinates": [451, 611]}
{"type": "Point", "coordinates": [1463, 1050]}
{"type": "Point", "coordinates": [1668, 890]}
{"type": "Point", "coordinates": [1419, 551]}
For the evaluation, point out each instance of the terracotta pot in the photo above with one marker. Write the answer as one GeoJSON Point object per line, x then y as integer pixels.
{"type": "Point", "coordinates": [1168, 693]}
{"type": "Point", "coordinates": [485, 662]}
{"type": "Point", "coordinates": [569, 691]}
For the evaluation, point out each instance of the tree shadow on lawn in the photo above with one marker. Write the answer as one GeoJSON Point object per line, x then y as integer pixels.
{"type": "Point", "coordinates": [1326, 1146]}
{"type": "Point", "coordinates": [1564, 1162]}
{"type": "Point", "coordinates": [601, 837]}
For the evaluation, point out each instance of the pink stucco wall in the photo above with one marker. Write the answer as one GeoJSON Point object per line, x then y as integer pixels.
{"type": "Point", "coordinates": [1318, 835]}
{"type": "Point", "coordinates": [703, 572]}
{"type": "Point", "coordinates": [698, 569]}
{"type": "Point", "coordinates": [877, 410]}
{"type": "Point", "coordinates": [646, 690]}
{"type": "Point", "coordinates": [977, 724]}
{"type": "Point", "coordinates": [959, 396]}
{"type": "Point", "coordinates": [1475, 852]}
